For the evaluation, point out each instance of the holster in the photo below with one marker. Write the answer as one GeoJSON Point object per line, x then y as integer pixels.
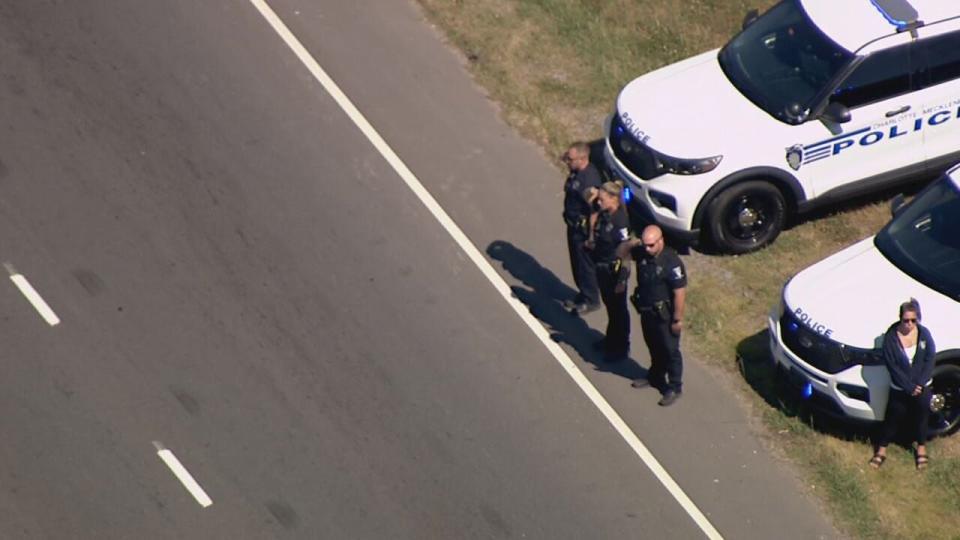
{"type": "Point", "coordinates": [663, 311]}
{"type": "Point", "coordinates": [581, 224]}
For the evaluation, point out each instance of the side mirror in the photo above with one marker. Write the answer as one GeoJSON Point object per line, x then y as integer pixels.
{"type": "Point", "coordinates": [750, 18]}
{"type": "Point", "coordinates": [838, 113]}
{"type": "Point", "coordinates": [896, 204]}
{"type": "Point", "coordinates": [795, 114]}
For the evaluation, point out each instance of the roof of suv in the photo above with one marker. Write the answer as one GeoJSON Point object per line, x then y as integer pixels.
{"type": "Point", "coordinates": [852, 23]}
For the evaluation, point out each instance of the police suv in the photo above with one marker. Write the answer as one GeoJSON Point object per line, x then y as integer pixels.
{"type": "Point", "coordinates": [828, 329]}
{"type": "Point", "coordinates": [812, 102]}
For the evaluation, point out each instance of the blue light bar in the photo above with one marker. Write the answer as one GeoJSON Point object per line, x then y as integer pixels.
{"type": "Point", "coordinates": [897, 12]}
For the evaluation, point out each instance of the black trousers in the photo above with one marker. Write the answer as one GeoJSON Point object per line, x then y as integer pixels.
{"type": "Point", "coordinates": [906, 412]}
{"type": "Point", "coordinates": [584, 272]}
{"type": "Point", "coordinates": [666, 362]}
{"type": "Point", "coordinates": [616, 342]}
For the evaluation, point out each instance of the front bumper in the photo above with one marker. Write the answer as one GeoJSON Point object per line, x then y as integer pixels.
{"type": "Point", "coordinates": [676, 219]}
{"type": "Point", "coordinates": [826, 393]}
{"type": "Point", "coordinates": [642, 204]}
{"type": "Point", "coordinates": [641, 216]}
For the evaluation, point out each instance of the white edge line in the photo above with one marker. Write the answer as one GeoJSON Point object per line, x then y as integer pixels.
{"type": "Point", "coordinates": [32, 296]}
{"type": "Point", "coordinates": [484, 266]}
{"type": "Point", "coordinates": [183, 475]}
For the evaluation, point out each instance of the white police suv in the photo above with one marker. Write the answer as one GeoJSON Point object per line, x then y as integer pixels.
{"type": "Point", "coordinates": [812, 102]}
{"type": "Point", "coordinates": [827, 331]}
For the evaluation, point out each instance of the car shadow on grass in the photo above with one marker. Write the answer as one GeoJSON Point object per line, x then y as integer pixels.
{"type": "Point", "coordinates": [543, 292]}
{"type": "Point", "coordinates": [759, 370]}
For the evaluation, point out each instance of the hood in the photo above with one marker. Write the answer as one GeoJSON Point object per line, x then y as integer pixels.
{"type": "Point", "coordinates": [853, 297]}
{"type": "Point", "coordinates": [688, 109]}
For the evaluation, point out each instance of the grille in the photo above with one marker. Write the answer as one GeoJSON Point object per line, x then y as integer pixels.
{"type": "Point", "coordinates": [811, 347]}
{"type": "Point", "coordinates": [636, 156]}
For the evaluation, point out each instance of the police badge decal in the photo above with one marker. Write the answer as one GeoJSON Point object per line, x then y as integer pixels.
{"type": "Point", "coordinates": [795, 156]}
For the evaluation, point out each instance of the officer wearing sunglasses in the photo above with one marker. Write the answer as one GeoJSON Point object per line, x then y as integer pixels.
{"type": "Point", "coordinates": [908, 351]}
{"type": "Point", "coordinates": [660, 298]}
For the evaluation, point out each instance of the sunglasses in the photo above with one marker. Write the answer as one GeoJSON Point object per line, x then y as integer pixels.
{"type": "Point", "coordinates": [654, 244]}
{"type": "Point", "coordinates": [914, 321]}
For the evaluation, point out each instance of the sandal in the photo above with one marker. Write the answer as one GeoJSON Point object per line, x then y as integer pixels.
{"type": "Point", "coordinates": [922, 461]}
{"type": "Point", "coordinates": [877, 460]}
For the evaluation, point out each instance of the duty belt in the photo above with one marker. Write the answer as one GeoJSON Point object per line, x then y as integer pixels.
{"type": "Point", "coordinates": [613, 266]}
{"type": "Point", "coordinates": [655, 308]}
{"type": "Point", "coordinates": [578, 223]}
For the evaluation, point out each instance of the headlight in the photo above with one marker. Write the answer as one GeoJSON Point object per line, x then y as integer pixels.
{"type": "Point", "coordinates": [687, 166]}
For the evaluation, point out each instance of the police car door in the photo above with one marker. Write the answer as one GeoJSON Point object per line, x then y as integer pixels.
{"type": "Point", "coordinates": [879, 137]}
{"type": "Point", "coordinates": [939, 50]}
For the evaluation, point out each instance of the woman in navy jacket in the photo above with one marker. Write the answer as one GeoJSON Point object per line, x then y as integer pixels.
{"type": "Point", "coordinates": [908, 351]}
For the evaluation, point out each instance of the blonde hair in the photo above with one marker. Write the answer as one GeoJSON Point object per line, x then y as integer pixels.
{"type": "Point", "coordinates": [614, 188]}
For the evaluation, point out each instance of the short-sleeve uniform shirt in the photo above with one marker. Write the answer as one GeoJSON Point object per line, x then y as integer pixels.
{"type": "Point", "coordinates": [575, 205]}
{"type": "Point", "coordinates": [658, 276]}
{"type": "Point", "coordinates": [611, 229]}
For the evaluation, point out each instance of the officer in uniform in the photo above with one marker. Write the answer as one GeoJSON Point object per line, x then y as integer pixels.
{"type": "Point", "coordinates": [612, 229]}
{"type": "Point", "coordinates": [580, 192]}
{"type": "Point", "coordinates": [660, 298]}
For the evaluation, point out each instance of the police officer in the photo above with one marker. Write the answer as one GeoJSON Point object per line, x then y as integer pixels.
{"type": "Point", "coordinates": [612, 229]}
{"type": "Point", "coordinates": [580, 191]}
{"type": "Point", "coordinates": [660, 298]}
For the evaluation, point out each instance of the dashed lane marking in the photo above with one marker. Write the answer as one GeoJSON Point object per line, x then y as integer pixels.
{"type": "Point", "coordinates": [32, 295]}
{"type": "Point", "coordinates": [182, 474]}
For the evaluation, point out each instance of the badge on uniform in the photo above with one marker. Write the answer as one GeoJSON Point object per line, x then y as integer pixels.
{"type": "Point", "coordinates": [677, 272]}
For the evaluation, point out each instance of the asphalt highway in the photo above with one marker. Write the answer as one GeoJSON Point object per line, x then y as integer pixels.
{"type": "Point", "coordinates": [242, 279]}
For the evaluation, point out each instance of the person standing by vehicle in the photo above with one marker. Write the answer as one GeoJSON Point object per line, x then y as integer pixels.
{"type": "Point", "coordinates": [580, 192]}
{"type": "Point", "coordinates": [908, 351]}
{"type": "Point", "coordinates": [660, 298]}
{"type": "Point", "coordinates": [611, 230]}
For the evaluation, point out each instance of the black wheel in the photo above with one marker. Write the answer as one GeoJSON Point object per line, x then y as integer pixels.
{"type": "Point", "coordinates": [746, 217]}
{"type": "Point", "coordinates": [946, 398]}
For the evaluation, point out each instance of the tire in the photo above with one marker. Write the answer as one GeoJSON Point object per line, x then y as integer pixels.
{"type": "Point", "coordinates": [746, 216]}
{"type": "Point", "coordinates": [946, 383]}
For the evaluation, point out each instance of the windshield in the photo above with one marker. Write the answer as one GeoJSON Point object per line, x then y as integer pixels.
{"type": "Point", "coordinates": [924, 240]}
{"type": "Point", "coordinates": [782, 61]}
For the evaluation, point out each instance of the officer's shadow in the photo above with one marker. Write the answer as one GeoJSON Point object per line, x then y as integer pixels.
{"type": "Point", "coordinates": [544, 294]}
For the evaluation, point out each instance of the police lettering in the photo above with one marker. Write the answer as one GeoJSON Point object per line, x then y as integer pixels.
{"type": "Point", "coordinates": [635, 130]}
{"type": "Point", "coordinates": [897, 130]}
{"type": "Point", "coordinates": [806, 319]}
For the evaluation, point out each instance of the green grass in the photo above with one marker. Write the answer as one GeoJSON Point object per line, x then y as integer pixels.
{"type": "Point", "coordinates": [555, 67]}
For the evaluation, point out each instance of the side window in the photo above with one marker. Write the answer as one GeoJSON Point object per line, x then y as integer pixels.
{"type": "Point", "coordinates": [943, 58]}
{"type": "Point", "coordinates": [882, 75]}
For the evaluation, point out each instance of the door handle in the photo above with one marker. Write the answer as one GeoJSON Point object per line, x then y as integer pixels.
{"type": "Point", "coordinates": [901, 110]}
